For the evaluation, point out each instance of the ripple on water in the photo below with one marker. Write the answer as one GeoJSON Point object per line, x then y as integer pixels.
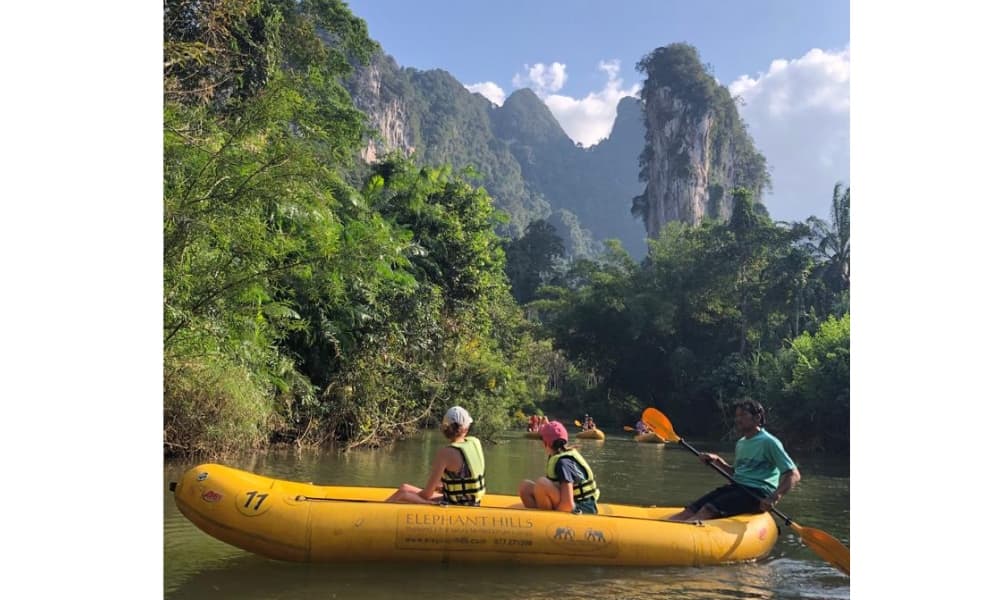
{"type": "Point", "coordinates": [251, 577]}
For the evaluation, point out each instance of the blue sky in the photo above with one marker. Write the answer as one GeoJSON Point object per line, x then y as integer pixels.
{"type": "Point", "coordinates": [789, 60]}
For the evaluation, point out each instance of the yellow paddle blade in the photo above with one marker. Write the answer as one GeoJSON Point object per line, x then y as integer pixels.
{"type": "Point", "coordinates": [627, 428]}
{"type": "Point", "coordinates": [660, 424]}
{"type": "Point", "coordinates": [826, 546]}
{"type": "Point", "coordinates": [578, 423]}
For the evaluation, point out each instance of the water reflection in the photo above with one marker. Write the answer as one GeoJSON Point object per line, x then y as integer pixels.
{"type": "Point", "coordinates": [250, 577]}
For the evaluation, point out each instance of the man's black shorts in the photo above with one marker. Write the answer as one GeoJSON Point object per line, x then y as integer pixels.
{"type": "Point", "coordinates": [730, 500]}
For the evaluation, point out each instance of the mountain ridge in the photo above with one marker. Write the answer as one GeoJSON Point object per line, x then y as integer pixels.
{"type": "Point", "coordinates": [534, 170]}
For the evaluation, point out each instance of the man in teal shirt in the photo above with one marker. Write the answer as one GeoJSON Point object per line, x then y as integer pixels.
{"type": "Point", "coordinates": [763, 470]}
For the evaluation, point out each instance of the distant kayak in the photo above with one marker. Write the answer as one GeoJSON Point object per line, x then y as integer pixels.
{"type": "Point", "coordinates": [534, 435]}
{"type": "Point", "coordinates": [590, 434]}
{"type": "Point", "coordinates": [650, 438]}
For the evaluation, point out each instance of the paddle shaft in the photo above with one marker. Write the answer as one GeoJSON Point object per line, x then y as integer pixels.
{"type": "Point", "coordinates": [301, 498]}
{"type": "Point", "coordinates": [730, 478]}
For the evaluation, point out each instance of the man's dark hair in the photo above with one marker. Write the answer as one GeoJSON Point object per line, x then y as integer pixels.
{"type": "Point", "coordinates": [753, 407]}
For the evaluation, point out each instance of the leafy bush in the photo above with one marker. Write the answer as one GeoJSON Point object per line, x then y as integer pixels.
{"type": "Point", "coordinates": [815, 400]}
{"type": "Point", "coordinates": [213, 406]}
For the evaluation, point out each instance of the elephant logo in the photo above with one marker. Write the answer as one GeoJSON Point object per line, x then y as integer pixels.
{"type": "Point", "coordinates": [583, 540]}
{"type": "Point", "coordinates": [594, 535]}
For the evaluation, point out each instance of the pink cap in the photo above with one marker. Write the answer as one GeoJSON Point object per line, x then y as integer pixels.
{"type": "Point", "coordinates": [552, 431]}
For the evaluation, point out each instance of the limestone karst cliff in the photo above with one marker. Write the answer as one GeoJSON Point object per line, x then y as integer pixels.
{"type": "Point", "coordinates": [697, 148]}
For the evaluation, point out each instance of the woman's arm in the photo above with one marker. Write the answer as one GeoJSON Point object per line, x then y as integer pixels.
{"type": "Point", "coordinates": [438, 466]}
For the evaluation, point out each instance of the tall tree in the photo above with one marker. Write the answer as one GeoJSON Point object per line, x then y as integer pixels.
{"type": "Point", "coordinates": [531, 259]}
{"type": "Point", "coordinates": [831, 242]}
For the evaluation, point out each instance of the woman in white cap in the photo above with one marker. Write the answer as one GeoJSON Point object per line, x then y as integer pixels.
{"type": "Point", "coordinates": [458, 473]}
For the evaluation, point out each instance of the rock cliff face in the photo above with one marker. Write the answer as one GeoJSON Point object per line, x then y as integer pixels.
{"type": "Point", "coordinates": [390, 123]}
{"type": "Point", "coordinates": [697, 148]}
{"type": "Point", "coordinates": [386, 111]}
{"type": "Point", "coordinates": [677, 189]}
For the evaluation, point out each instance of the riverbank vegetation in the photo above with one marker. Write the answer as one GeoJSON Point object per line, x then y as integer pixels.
{"type": "Point", "coordinates": [748, 308]}
{"type": "Point", "coordinates": [310, 298]}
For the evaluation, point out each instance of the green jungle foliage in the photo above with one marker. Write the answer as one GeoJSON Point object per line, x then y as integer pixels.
{"type": "Point", "coordinates": [297, 307]}
{"type": "Point", "coordinates": [815, 394]}
{"type": "Point", "coordinates": [717, 312]}
{"type": "Point", "coordinates": [308, 301]}
{"type": "Point", "coordinates": [533, 259]}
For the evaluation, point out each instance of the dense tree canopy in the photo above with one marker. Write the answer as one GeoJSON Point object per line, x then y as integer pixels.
{"type": "Point", "coordinates": [715, 313]}
{"type": "Point", "coordinates": [297, 306]}
{"type": "Point", "coordinates": [532, 259]}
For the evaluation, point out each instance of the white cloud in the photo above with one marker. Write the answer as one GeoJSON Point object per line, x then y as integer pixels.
{"type": "Point", "coordinates": [493, 92]}
{"type": "Point", "coordinates": [541, 78]}
{"type": "Point", "coordinates": [589, 119]}
{"type": "Point", "coordinates": [799, 116]}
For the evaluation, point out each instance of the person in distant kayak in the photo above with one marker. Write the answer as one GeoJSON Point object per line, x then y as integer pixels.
{"type": "Point", "coordinates": [762, 466]}
{"type": "Point", "coordinates": [641, 427]}
{"type": "Point", "coordinates": [588, 422]}
{"type": "Point", "coordinates": [458, 472]}
{"type": "Point", "coordinates": [569, 484]}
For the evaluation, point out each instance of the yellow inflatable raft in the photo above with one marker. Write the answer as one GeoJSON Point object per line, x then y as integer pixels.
{"type": "Point", "coordinates": [590, 434]}
{"type": "Point", "coordinates": [310, 523]}
{"type": "Point", "coordinates": [649, 438]}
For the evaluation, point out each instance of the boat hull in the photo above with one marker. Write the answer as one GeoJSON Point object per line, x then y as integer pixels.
{"type": "Point", "coordinates": [649, 438]}
{"type": "Point", "coordinates": [308, 523]}
{"type": "Point", "coordinates": [590, 434]}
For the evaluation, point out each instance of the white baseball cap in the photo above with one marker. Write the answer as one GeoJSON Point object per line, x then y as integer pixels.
{"type": "Point", "coordinates": [457, 414]}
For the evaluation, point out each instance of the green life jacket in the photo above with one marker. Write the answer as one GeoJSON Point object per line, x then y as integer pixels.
{"type": "Point", "coordinates": [466, 490]}
{"type": "Point", "coordinates": [582, 490]}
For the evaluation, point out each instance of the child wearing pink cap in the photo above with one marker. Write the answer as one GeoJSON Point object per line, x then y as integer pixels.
{"type": "Point", "coordinates": [569, 484]}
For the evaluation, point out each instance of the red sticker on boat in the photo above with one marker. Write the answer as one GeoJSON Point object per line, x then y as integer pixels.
{"type": "Point", "coordinates": [211, 496]}
{"type": "Point", "coordinates": [762, 533]}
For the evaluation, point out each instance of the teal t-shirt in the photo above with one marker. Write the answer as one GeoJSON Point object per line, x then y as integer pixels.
{"type": "Point", "coordinates": [760, 461]}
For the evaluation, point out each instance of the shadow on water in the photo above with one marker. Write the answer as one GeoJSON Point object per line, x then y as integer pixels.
{"type": "Point", "coordinates": [199, 566]}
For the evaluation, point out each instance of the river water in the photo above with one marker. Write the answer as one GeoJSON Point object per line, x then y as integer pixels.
{"type": "Point", "coordinates": [199, 566]}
